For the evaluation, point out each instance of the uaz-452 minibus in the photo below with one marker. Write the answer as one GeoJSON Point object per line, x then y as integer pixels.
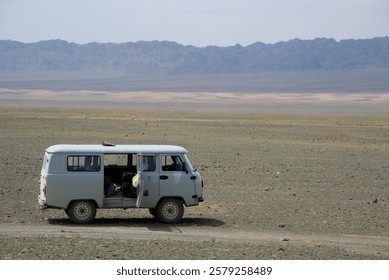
{"type": "Point", "coordinates": [82, 178]}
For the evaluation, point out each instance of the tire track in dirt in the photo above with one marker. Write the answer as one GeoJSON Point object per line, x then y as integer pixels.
{"type": "Point", "coordinates": [360, 243]}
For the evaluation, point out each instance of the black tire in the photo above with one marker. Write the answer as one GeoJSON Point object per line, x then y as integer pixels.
{"type": "Point", "coordinates": [81, 212]}
{"type": "Point", "coordinates": [170, 211]}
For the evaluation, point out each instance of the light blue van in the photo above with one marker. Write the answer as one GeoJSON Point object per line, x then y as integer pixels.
{"type": "Point", "coordinates": [82, 178]}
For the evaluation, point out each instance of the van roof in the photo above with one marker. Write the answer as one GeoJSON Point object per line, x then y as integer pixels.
{"type": "Point", "coordinates": [114, 149]}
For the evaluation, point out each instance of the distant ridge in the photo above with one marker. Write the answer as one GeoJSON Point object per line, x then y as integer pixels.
{"type": "Point", "coordinates": [57, 60]}
{"type": "Point", "coordinates": [163, 57]}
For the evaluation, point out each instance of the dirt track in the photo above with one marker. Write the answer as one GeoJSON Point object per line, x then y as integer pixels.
{"type": "Point", "coordinates": [342, 246]}
{"type": "Point", "coordinates": [176, 232]}
{"type": "Point", "coordinates": [317, 180]}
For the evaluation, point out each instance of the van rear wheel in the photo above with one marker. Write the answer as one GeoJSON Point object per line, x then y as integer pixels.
{"type": "Point", "coordinates": [81, 212]}
{"type": "Point", "coordinates": [170, 210]}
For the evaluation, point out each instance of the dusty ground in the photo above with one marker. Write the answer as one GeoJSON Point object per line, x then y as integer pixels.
{"type": "Point", "coordinates": [286, 184]}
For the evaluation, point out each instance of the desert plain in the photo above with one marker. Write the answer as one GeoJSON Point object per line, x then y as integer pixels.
{"type": "Point", "coordinates": [286, 176]}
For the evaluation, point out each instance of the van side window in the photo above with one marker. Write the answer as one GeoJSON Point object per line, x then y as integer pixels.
{"type": "Point", "coordinates": [172, 163]}
{"type": "Point", "coordinates": [84, 163]}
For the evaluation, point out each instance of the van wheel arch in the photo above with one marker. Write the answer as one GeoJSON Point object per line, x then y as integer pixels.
{"type": "Point", "coordinates": [81, 211]}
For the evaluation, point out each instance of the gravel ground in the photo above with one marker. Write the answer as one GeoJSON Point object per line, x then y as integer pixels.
{"type": "Point", "coordinates": [303, 174]}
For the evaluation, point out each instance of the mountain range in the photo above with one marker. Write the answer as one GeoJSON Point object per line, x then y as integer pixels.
{"type": "Point", "coordinates": [58, 60]}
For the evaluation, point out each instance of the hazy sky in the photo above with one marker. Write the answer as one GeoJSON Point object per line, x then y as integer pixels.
{"type": "Point", "coordinates": [192, 22]}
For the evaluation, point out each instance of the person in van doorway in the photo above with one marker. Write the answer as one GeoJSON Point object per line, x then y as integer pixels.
{"type": "Point", "coordinates": [135, 180]}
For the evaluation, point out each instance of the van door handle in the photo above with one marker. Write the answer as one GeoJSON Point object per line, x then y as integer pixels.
{"type": "Point", "coordinates": [163, 177]}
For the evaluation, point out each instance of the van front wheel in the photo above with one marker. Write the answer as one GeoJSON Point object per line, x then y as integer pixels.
{"type": "Point", "coordinates": [81, 212]}
{"type": "Point", "coordinates": [170, 210]}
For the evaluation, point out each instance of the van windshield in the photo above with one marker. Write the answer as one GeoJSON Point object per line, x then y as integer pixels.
{"type": "Point", "coordinates": [188, 164]}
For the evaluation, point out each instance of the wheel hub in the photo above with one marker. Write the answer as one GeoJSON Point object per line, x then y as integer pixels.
{"type": "Point", "coordinates": [170, 210]}
{"type": "Point", "coordinates": [82, 211]}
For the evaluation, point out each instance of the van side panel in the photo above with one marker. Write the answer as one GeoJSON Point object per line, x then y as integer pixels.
{"type": "Point", "coordinates": [64, 189]}
{"type": "Point", "coordinates": [64, 186]}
